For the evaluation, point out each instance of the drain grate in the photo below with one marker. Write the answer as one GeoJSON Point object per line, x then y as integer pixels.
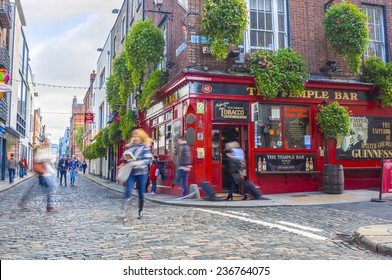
{"type": "Point", "coordinates": [342, 236]}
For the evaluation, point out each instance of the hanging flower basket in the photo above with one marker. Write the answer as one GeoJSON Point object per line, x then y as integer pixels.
{"type": "Point", "coordinates": [347, 33]}
{"type": "Point", "coordinates": [223, 23]}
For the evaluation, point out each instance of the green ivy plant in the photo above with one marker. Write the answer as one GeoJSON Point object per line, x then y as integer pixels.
{"type": "Point", "coordinates": [347, 33]}
{"type": "Point", "coordinates": [333, 121]}
{"type": "Point", "coordinates": [151, 85]}
{"type": "Point", "coordinates": [79, 137]}
{"type": "Point", "coordinates": [277, 73]}
{"type": "Point", "coordinates": [144, 47]}
{"type": "Point", "coordinates": [380, 74]}
{"type": "Point", "coordinates": [127, 122]}
{"type": "Point", "coordinates": [223, 22]}
{"type": "Point", "coordinates": [114, 133]}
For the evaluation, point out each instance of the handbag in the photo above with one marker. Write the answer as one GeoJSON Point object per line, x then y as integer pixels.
{"type": "Point", "coordinates": [124, 171]}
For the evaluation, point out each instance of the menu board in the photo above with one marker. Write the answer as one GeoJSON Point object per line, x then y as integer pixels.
{"type": "Point", "coordinates": [296, 119]}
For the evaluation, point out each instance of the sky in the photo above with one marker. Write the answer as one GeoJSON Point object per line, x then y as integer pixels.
{"type": "Point", "coordinates": [63, 38]}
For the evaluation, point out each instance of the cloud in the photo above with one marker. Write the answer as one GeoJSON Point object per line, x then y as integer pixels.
{"type": "Point", "coordinates": [63, 37]}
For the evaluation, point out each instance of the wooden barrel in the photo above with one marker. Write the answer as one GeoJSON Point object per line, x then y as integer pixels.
{"type": "Point", "coordinates": [333, 179]}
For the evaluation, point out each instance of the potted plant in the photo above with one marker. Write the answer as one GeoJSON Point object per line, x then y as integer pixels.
{"type": "Point", "coordinates": [333, 121]}
{"type": "Point", "coordinates": [347, 33]}
{"type": "Point", "coordinates": [223, 22]}
{"type": "Point", "coordinates": [380, 74]}
{"type": "Point", "coordinates": [277, 73]}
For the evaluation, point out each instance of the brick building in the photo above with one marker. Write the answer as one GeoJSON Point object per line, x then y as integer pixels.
{"type": "Point", "coordinates": [293, 152]}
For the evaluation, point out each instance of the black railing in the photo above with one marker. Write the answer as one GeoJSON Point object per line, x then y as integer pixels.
{"type": "Point", "coordinates": [3, 110]}
{"type": "Point", "coordinates": [5, 14]}
{"type": "Point", "coordinates": [5, 61]}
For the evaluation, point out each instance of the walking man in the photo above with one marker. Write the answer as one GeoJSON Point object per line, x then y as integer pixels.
{"type": "Point", "coordinates": [185, 165]}
{"type": "Point", "coordinates": [63, 166]}
{"type": "Point", "coordinates": [12, 164]}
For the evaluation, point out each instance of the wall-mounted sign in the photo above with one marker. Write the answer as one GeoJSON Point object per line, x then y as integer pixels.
{"type": "Point", "coordinates": [284, 162]}
{"type": "Point", "coordinates": [206, 88]}
{"type": "Point", "coordinates": [180, 49]}
{"type": "Point", "coordinates": [88, 117]}
{"type": "Point", "coordinates": [370, 138]}
{"type": "Point", "coordinates": [231, 110]}
{"type": "Point", "coordinates": [200, 107]}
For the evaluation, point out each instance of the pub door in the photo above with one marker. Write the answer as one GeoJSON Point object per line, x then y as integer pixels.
{"type": "Point", "coordinates": [222, 134]}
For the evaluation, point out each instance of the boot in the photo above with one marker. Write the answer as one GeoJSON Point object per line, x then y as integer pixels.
{"type": "Point", "coordinates": [229, 197]}
{"type": "Point", "coordinates": [140, 212]}
{"type": "Point", "coordinates": [246, 196]}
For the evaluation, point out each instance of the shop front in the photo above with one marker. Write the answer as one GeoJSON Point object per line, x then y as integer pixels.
{"type": "Point", "coordinates": [285, 151]}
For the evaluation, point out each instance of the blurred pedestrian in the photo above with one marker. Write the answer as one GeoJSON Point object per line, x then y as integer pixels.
{"type": "Point", "coordinates": [21, 168]}
{"type": "Point", "coordinates": [84, 167]}
{"type": "Point", "coordinates": [137, 155]}
{"type": "Point", "coordinates": [26, 166]}
{"type": "Point", "coordinates": [236, 162]}
{"type": "Point", "coordinates": [184, 165]}
{"type": "Point", "coordinates": [63, 166]}
{"type": "Point", "coordinates": [73, 169]}
{"type": "Point", "coordinates": [12, 165]}
{"type": "Point", "coordinates": [43, 168]}
{"type": "Point", "coordinates": [154, 172]}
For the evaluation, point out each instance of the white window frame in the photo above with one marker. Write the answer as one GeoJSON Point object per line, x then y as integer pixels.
{"type": "Point", "coordinates": [162, 65]}
{"type": "Point", "coordinates": [374, 11]}
{"type": "Point", "coordinates": [245, 46]}
{"type": "Point", "coordinates": [184, 4]}
{"type": "Point", "coordinates": [123, 27]}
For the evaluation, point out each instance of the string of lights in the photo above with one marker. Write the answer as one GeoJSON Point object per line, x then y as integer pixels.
{"type": "Point", "coordinates": [57, 113]}
{"type": "Point", "coordinates": [59, 86]}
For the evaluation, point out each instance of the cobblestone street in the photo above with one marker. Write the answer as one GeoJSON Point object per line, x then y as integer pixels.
{"type": "Point", "coordinates": [86, 226]}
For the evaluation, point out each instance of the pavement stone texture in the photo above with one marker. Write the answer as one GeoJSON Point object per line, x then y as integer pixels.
{"type": "Point", "coordinates": [86, 226]}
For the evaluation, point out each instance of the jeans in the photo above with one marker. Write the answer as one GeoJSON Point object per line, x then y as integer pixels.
{"type": "Point", "coordinates": [154, 185]}
{"type": "Point", "coordinates": [47, 188]}
{"type": "Point", "coordinates": [63, 173]}
{"type": "Point", "coordinates": [140, 181]}
{"type": "Point", "coordinates": [11, 172]}
{"type": "Point", "coordinates": [72, 176]}
{"type": "Point", "coordinates": [183, 178]}
{"type": "Point", "coordinates": [21, 172]}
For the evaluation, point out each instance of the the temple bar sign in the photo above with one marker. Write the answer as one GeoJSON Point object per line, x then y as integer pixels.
{"type": "Point", "coordinates": [229, 110]}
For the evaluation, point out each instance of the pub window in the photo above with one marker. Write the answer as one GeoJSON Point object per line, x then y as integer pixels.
{"type": "Point", "coordinates": [276, 130]}
{"type": "Point", "coordinates": [168, 138]}
{"type": "Point", "coordinates": [168, 115]}
{"type": "Point", "coordinates": [376, 27]}
{"type": "Point", "coordinates": [155, 139]}
{"type": "Point", "coordinates": [161, 118]}
{"type": "Point", "coordinates": [161, 140]}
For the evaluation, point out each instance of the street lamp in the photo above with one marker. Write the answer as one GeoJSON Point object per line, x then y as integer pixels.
{"type": "Point", "coordinates": [158, 4]}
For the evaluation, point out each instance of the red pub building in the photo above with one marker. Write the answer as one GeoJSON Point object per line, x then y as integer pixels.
{"type": "Point", "coordinates": [212, 103]}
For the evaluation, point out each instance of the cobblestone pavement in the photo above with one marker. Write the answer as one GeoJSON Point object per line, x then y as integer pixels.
{"type": "Point", "coordinates": [86, 227]}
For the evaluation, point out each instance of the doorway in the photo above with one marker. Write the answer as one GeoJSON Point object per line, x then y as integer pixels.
{"type": "Point", "coordinates": [222, 134]}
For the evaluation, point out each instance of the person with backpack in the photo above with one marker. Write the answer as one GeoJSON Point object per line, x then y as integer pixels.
{"type": "Point", "coordinates": [63, 166]}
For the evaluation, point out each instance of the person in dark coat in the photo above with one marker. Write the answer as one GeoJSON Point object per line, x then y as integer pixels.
{"type": "Point", "coordinates": [63, 166]}
{"type": "Point", "coordinates": [184, 165]}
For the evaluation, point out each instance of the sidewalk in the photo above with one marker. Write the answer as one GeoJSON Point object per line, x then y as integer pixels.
{"type": "Point", "coordinates": [5, 185]}
{"type": "Point", "coordinates": [377, 238]}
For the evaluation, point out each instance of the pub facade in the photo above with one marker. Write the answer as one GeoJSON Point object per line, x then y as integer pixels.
{"type": "Point", "coordinates": [285, 150]}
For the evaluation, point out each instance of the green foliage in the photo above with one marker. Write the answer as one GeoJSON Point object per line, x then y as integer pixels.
{"type": "Point", "coordinates": [144, 47]}
{"type": "Point", "coordinates": [114, 133]}
{"type": "Point", "coordinates": [281, 73]}
{"type": "Point", "coordinates": [112, 91]}
{"type": "Point", "coordinates": [223, 23]}
{"type": "Point", "coordinates": [380, 74]}
{"type": "Point", "coordinates": [333, 120]}
{"type": "Point", "coordinates": [79, 137]}
{"type": "Point", "coordinates": [151, 85]}
{"type": "Point", "coordinates": [347, 33]}
{"type": "Point", "coordinates": [127, 121]}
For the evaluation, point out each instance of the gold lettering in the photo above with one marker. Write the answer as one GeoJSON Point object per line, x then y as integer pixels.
{"type": "Point", "coordinates": [251, 90]}
{"type": "Point", "coordinates": [354, 96]}
{"type": "Point", "coordinates": [325, 95]}
{"type": "Point", "coordinates": [338, 95]}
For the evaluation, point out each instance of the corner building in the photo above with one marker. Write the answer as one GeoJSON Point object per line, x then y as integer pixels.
{"type": "Point", "coordinates": [213, 102]}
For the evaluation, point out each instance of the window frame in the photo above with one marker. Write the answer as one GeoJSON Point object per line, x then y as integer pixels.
{"type": "Point", "coordinates": [365, 7]}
